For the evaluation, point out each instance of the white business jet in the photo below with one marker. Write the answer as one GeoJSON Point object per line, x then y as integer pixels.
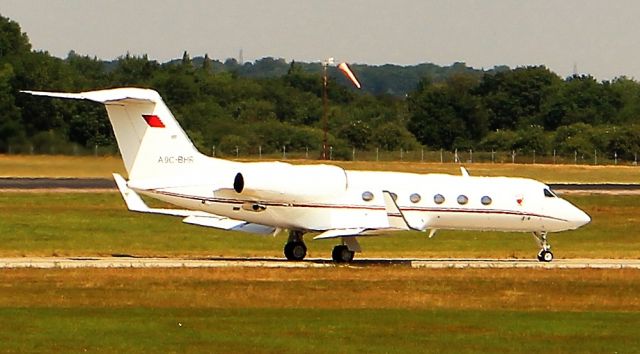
{"type": "Point", "coordinates": [267, 197]}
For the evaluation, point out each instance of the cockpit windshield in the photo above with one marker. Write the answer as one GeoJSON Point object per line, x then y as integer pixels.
{"type": "Point", "coordinates": [549, 194]}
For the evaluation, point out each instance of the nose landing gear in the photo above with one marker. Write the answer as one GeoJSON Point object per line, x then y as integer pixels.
{"type": "Point", "coordinates": [545, 254]}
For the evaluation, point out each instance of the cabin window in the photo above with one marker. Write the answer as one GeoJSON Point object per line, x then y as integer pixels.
{"type": "Point", "coordinates": [414, 198]}
{"type": "Point", "coordinates": [462, 199]}
{"type": "Point", "coordinates": [548, 193]}
{"type": "Point", "coordinates": [486, 200]}
{"type": "Point", "coordinates": [367, 196]}
{"type": "Point", "coordinates": [438, 198]}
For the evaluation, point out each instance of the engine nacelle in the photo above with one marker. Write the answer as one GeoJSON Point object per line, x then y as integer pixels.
{"type": "Point", "coordinates": [268, 178]}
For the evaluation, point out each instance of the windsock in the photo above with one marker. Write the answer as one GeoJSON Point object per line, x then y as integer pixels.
{"type": "Point", "coordinates": [347, 72]}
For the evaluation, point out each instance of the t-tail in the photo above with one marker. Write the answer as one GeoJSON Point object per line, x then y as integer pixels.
{"type": "Point", "coordinates": [151, 141]}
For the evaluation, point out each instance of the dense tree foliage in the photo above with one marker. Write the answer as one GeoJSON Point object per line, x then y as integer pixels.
{"type": "Point", "coordinates": [270, 104]}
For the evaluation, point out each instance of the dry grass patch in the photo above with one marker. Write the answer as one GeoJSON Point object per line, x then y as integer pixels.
{"type": "Point", "coordinates": [103, 167]}
{"type": "Point", "coordinates": [342, 287]}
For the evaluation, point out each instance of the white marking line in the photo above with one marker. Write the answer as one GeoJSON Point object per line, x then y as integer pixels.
{"type": "Point", "coordinates": [530, 264]}
{"type": "Point", "coordinates": [115, 262]}
{"type": "Point", "coordinates": [125, 262]}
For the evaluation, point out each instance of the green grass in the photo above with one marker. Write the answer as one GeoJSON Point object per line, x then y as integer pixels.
{"type": "Point", "coordinates": [373, 309]}
{"type": "Point", "coordinates": [54, 330]}
{"type": "Point", "coordinates": [45, 224]}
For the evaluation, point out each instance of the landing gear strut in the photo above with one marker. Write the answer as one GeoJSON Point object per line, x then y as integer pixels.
{"type": "Point", "coordinates": [295, 249]}
{"type": "Point", "coordinates": [545, 254]}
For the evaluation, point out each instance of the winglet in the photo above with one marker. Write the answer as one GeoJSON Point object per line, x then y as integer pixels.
{"type": "Point", "coordinates": [135, 203]}
{"type": "Point", "coordinates": [131, 198]}
{"type": "Point", "coordinates": [464, 171]}
{"type": "Point", "coordinates": [395, 216]}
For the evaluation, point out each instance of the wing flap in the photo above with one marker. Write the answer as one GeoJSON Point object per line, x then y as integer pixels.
{"type": "Point", "coordinates": [336, 233]}
{"type": "Point", "coordinates": [219, 222]}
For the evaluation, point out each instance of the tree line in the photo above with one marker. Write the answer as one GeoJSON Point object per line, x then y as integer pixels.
{"type": "Point", "coordinates": [271, 103]}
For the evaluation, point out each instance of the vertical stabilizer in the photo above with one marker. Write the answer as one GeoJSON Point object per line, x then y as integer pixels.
{"type": "Point", "coordinates": [150, 139]}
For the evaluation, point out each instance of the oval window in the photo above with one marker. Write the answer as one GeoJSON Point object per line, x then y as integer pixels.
{"type": "Point", "coordinates": [414, 198]}
{"type": "Point", "coordinates": [486, 200]}
{"type": "Point", "coordinates": [462, 199]}
{"type": "Point", "coordinates": [394, 196]}
{"type": "Point", "coordinates": [438, 198]}
{"type": "Point", "coordinates": [367, 196]}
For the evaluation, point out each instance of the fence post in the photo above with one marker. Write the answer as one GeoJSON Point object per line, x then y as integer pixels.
{"type": "Point", "coordinates": [595, 157]}
{"type": "Point", "coordinates": [575, 157]}
{"type": "Point", "coordinates": [306, 153]}
{"type": "Point", "coordinates": [534, 156]}
{"type": "Point", "coordinates": [284, 152]}
{"type": "Point", "coordinates": [471, 156]}
{"type": "Point", "coordinates": [260, 152]}
{"type": "Point", "coordinates": [513, 156]}
{"type": "Point", "coordinates": [554, 156]}
{"type": "Point", "coordinates": [401, 154]}
{"type": "Point", "coordinates": [237, 151]}
{"type": "Point", "coordinates": [213, 151]}
{"type": "Point", "coordinates": [455, 156]}
{"type": "Point", "coordinates": [441, 156]}
{"type": "Point", "coordinates": [421, 154]}
{"type": "Point", "coordinates": [493, 156]}
{"type": "Point", "coordinates": [615, 157]}
{"type": "Point", "coordinates": [377, 152]}
{"type": "Point", "coordinates": [330, 152]}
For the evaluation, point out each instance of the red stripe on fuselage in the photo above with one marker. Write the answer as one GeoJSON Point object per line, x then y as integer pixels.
{"type": "Point", "coordinates": [361, 207]}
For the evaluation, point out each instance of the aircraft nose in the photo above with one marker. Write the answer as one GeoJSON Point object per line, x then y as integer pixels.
{"type": "Point", "coordinates": [579, 218]}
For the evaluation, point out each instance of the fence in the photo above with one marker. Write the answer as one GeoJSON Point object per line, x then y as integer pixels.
{"type": "Point", "coordinates": [430, 156]}
{"type": "Point", "coordinates": [421, 155]}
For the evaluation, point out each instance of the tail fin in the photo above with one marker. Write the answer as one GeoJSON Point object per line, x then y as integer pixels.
{"type": "Point", "coordinates": [150, 139]}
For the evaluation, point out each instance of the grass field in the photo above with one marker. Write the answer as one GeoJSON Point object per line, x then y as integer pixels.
{"type": "Point", "coordinates": [342, 309]}
{"type": "Point", "coordinates": [85, 224]}
{"type": "Point", "coordinates": [379, 309]}
{"type": "Point", "coordinates": [96, 167]}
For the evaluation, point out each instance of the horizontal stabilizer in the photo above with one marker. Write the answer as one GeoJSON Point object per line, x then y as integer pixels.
{"type": "Point", "coordinates": [104, 96]}
{"type": "Point", "coordinates": [335, 233]}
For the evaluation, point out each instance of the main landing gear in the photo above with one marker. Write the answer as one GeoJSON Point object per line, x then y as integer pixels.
{"type": "Point", "coordinates": [295, 249]}
{"type": "Point", "coordinates": [342, 254]}
{"type": "Point", "coordinates": [545, 254]}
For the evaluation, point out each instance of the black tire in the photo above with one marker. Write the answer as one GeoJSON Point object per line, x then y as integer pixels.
{"type": "Point", "coordinates": [341, 254]}
{"type": "Point", "coordinates": [295, 251]}
{"type": "Point", "coordinates": [545, 256]}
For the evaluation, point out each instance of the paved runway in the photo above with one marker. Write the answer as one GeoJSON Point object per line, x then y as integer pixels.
{"type": "Point", "coordinates": [139, 262]}
{"type": "Point", "coordinates": [84, 184]}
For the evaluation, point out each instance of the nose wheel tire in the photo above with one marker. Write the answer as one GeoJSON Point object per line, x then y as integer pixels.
{"type": "Point", "coordinates": [295, 251]}
{"type": "Point", "coordinates": [545, 256]}
{"type": "Point", "coordinates": [341, 254]}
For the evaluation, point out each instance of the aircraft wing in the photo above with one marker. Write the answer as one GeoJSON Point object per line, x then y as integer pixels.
{"type": "Point", "coordinates": [194, 217]}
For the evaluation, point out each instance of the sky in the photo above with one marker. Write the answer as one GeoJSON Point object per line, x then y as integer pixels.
{"type": "Point", "coordinates": [601, 38]}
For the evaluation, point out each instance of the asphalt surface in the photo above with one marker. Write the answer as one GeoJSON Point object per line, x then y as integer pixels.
{"type": "Point", "coordinates": [141, 262]}
{"type": "Point", "coordinates": [107, 183]}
